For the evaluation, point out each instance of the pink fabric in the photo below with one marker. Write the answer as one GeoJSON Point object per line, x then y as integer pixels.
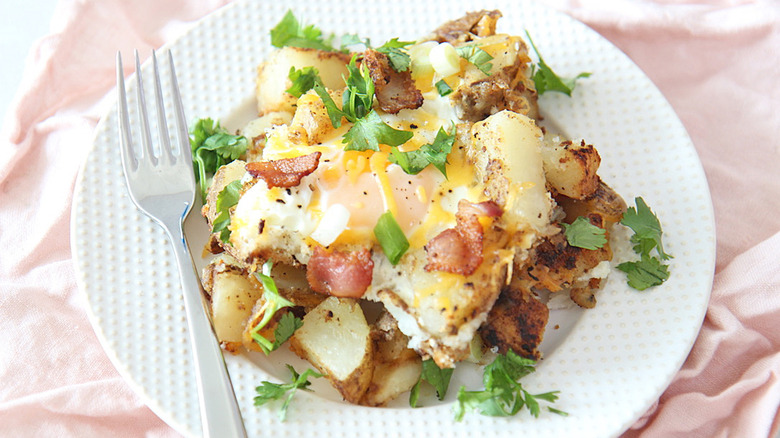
{"type": "Point", "coordinates": [717, 61]}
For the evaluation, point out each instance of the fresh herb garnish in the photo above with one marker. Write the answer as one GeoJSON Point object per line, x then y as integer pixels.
{"type": "Point", "coordinates": [358, 97]}
{"type": "Point", "coordinates": [290, 32]}
{"type": "Point", "coordinates": [647, 229]}
{"type": "Point", "coordinates": [303, 80]}
{"type": "Point", "coordinates": [368, 131]}
{"type": "Point", "coordinates": [475, 55]}
{"type": "Point", "coordinates": [273, 302]}
{"type": "Point", "coordinates": [226, 199]}
{"type": "Point", "coordinates": [545, 78]}
{"type": "Point", "coordinates": [503, 394]}
{"type": "Point", "coordinates": [399, 58]}
{"type": "Point", "coordinates": [212, 147]}
{"type": "Point", "coordinates": [583, 234]}
{"type": "Point", "coordinates": [269, 391]}
{"type": "Point", "coordinates": [443, 88]}
{"type": "Point", "coordinates": [391, 237]}
{"type": "Point", "coordinates": [645, 273]}
{"type": "Point", "coordinates": [413, 162]}
{"type": "Point", "coordinates": [649, 270]}
{"type": "Point", "coordinates": [431, 373]}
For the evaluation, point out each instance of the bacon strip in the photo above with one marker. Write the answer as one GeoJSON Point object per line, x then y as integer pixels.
{"type": "Point", "coordinates": [340, 273]}
{"type": "Point", "coordinates": [459, 250]}
{"type": "Point", "coordinates": [394, 90]}
{"type": "Point", "coordinates": [286, 172]}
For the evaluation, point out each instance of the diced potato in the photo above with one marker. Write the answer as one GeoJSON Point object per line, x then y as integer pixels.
{"type": "Point", "coordinates": [516, 322]}
{"type": "Point", "coordinates": [311, 122]}
{"type": "Point", "coordinates": [335, 338]}
{"type": "Point", "coordinates": [273, 81]}
{"type": "Point", "coordinates": [571, 168]}
{"type": "Point", "coordinates": [232, 298]}
{"type": "Point", "coordinates": [603, 201]}
{"type": "Point", "coordinates": [397, 368]}
{"type": "Point", "coordinates": [508, 157]}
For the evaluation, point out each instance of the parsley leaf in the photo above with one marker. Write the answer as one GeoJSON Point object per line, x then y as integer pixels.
{"type": "Point", "coordinates": [545, 78]}
{"type": "Point", "coordinates": [647, 229]}
{"type": "Point", "coordinates": [503, 394]}
{"type": "Point", "coordinates": [226, 199]}
{"type": "Point", "coordinates": [212, 147]}
{"type": "Point", "coordinates": [443, 88]}
{"type": "Point", "coordinates": [647, 272]}
{"type": "Point", "coordinates": [290, 32]}
{"type": "Point", "coordinates": [475, 55]}
{"type": "Point", "coordinates": [413, 162]}
{"type": "Point", "coordinates": [303, 80]}
{"type": "Point", "coordinates": [431, 373]}
{"type": "Point", "coordinates": [583, 234]}
{"type": "Point", "coordinates": [273, 302]}
{"type": "Point", "coordinates": [399, 58]}
{"type": "Point", "coordinates": [288, 324]}
{"type": "Point", "coordinates": [359, 95]}
{"type": "Point", "coordinates": [352, 39]}
{"type": "Point", "coordinates": [269, 391]}
{"type": "Point", "coordinates": [370, 131]}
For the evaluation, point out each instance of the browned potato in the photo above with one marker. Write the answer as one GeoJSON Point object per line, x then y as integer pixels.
{"type": "Point", "coordinates": [311, 122]}
{"type": "Point", "coordinates": [273, 81]}
{"type": "Point", "coordinates": [336, 339]}
{"type": "Point", "coordinates": [571, 168]}
{"type": "Point", "coordinates": [554, 265]}
{"type": "Point", "coordinates": [396, 367]}
{"type": "Point", "coordinates": [232, 298]}
{"type": "Point", "coordinates": [516, 322]}
{"type": "Point", "coordinates": [604, 201]}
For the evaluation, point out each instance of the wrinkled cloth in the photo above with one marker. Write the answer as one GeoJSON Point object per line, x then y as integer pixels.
{"type": "Point", "coordinates": [716, 61]}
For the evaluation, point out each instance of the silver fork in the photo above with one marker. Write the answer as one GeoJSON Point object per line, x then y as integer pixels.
{"type": "Point", "coordinates": [163, 187]}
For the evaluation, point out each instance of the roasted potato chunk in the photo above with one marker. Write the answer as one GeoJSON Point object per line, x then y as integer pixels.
{"type": "Point", "coordinates": [571, 169]}
{"type": "Point", "coordinates": [336, 339]}
{"type": "Point", "coordinates": [604, 201]}
{"type": "Point", "coordinates": [232, 299]}
{"type": "Point", "coordinates": [396, 367]}
{"type": "Point", "coordinates": [516, 322]}
{"type": "Point", "coordinates": [273, 80]}
{"type": "Point", "coordinates": [311, 123]}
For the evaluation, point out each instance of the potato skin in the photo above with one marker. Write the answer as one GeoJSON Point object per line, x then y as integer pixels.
{"type": "Point", "coordinates": [396, 367]}
{"type": "Point", "coordinates": [516, 322]}
{"type": "Point", "coordinates": [335, 339]}
{"type": "Point", "coordinates": [571, 169]}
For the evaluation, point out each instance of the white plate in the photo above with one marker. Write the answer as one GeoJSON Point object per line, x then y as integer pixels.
{"type": "Point", "coordinates": [610, 363]}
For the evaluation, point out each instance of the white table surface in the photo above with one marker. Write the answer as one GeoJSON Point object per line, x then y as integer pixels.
{"type": "Point", "coordinates": [22, 22]}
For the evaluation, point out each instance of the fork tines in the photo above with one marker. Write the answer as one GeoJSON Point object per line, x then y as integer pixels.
{"type": "Point", "coordinates": [168, 153]}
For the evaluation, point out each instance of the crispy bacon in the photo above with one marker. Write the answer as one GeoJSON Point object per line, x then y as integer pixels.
{"type": "Point", "coordinates": [394, 90]}
{"type": "Point", "coordinates": [340, 273]}
{"type": "Point", "coordinates": [286, 172]}
{"type": "Point", "coordinates": [459, 250]}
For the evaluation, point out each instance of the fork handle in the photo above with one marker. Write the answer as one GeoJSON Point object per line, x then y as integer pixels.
{"type": "Point", "coordinates": [219, 412]}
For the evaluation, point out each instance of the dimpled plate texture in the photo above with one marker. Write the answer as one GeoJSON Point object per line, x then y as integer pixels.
{"type": "Point", "coordinates": [609, 363]}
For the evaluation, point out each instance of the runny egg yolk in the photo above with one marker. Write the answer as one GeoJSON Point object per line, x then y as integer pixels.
{"type": "Point", "coordinates": [368, 184]}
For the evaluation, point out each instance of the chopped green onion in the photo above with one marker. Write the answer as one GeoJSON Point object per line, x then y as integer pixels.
{"type": "Point", "coordinates": [443, 88]}
{"type": "Point", "coordinates": [391, 237]}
